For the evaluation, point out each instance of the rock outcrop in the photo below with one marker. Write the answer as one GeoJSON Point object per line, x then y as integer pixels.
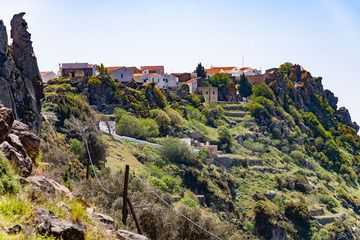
{"type": "Point", "coordinates": [15, 143]}
{"type": "Point", "coordinates": [48, 186]}
{"type": "Point", "coordinates": [49, 224]}
{"type": "Point", "coordinates": [20, 82]}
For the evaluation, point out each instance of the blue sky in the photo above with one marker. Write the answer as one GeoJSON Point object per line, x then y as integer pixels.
{"type": "Point", "coordinates": [321, 35]}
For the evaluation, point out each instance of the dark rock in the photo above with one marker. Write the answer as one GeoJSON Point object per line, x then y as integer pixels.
{"type": "Point", "coordinates": [29, 140]}
{"type": "Point", "coordinates": [344, 117]}
{"type": "Point", "coordinates": [6, 121]}
{"type": "Point", "coordinates": [14, 229]}
{"type": "Point", "coordinates": [16, 156]}
{"type": "Point", "coordinates": [49, 224]}
{"type": "Point", "coordinates": [20, 82]}
{"type": "Point", "coordinates": [270, 194]}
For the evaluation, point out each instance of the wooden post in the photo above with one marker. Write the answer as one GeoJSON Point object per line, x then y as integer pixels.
{"type": "Point", "coordinates": [87, 169]}
{"type": "Point", "coordinates": [125, 195]}
{"type": "Point", "coordinates": [134, 216]}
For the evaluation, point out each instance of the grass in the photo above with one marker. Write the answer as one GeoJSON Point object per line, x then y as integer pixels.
{"type": "Point", "coordinates": [14, 209]}
{"type": "Point", "coordinates": [209, 132]}
{"type": "Point", "coordinates": [119, 155]}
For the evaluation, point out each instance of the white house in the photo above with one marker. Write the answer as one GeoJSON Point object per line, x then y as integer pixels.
{"type": "Point", "coordinates": [160, 80]}
{"type": "Point", "coordinates": [46, 76]}
{"type": "Point", "coordinates": [215, 70]}
{"type": "Point", "coordinates": [192, 84]}
{"type": "Point", "coordinates": [250, 71]}
{"type": "Point", "coordinates": [121, 74]}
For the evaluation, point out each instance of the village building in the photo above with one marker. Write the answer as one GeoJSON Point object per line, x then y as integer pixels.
{"type": "Point", "coordinates": [250, 71]}
{"type": "Point", "coordinates": [216, 70]}
{"type": "Point", "coordinates": [77, 70]}
{"type": "Point", "coordinates": [210, 94]}
{"type": "Point", "coordinates": [135, 70]}
{"type": "Point", "coordinates": [183, 77]}
{"type": "Point", "coordinates": [152, 69]}
{"type": "Point", "coordinates": [257, 79]}
{"type": "Point", "coordinates": [121, 74]}
{"type": "Point", "coordinates": [160, 80]}
{"type": "Point", "coordinates": [191, 83]}
{"type": "Point", "coordinates": [46, 76]}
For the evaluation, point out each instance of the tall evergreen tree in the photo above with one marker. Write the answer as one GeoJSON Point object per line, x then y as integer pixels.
{"type": "Point", "coordinates": [245, 88]}
{"type": "Point", "coordinates": [200, 71]}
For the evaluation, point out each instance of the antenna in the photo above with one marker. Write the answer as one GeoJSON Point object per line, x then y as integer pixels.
{"type": "Point", "coordinates": [242, 60]}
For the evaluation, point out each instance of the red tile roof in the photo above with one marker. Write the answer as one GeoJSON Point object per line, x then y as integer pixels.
{"type": "Point", "coordinates": [215, 70]}
{"type": "Point", "coordinates": [111, 69]}
{"type": "Point", "coordinates": [151, 67]}
{"type": "Point", "coordinates": [192, 80]}
{"type": "Point", "coordinates": [244, 68]}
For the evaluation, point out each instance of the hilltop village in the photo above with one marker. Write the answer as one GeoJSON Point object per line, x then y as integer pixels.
{"type": "Point", "coordinates": [193, 81]}
{"type": "Point", "coordinates": [225, 153]}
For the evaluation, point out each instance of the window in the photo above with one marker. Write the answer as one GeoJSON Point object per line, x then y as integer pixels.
{"type": "Point", "coordinates": [214, 93]}
{"type": "Point", "coordinates": [122, 75]}
{"type": "Point", "coordinates": [207, 93]}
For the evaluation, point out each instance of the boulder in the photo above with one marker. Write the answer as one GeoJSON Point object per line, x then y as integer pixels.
{"type": "Point", "coordinates": [16, 156]}
{"type": "Point", "coordinates": [48, 186]}
{"type": "Point", "coordinates": [106, 221]}
{"type": "Point", "coordinates": [126, 235]}
{"type": "Point", "coordinates": [6, 121]}
{"type": "Point", "coordinates": [49, 224]}
{"type": "Point", "coordinates": [270, 194]}
{"type": "Point", "coordinates": [29, 140]}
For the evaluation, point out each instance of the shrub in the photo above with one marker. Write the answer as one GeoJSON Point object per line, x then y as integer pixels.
{"type": "Point", "coordinates": [167, 183]}
{"type": "Point", "coordinates": [226, 140]}
{"type": "Point", "coordinates": [161, 118]}
{"type": "Point", "coordinates": [213, 113]}
{"type": "Point", "coordinates": [329, 201]}
{"type": "Point", "coordinates": [135, 127]}
{"type": "Point", "coordinates": [298, 214]}
{"type": "Point", "coordinates": [189, 200]}
{"type": "Point", "coordinates": [285, 68]}
{"type": "Point", "coordinates": [177, 151]}
{"type": "Point", "coordinates": [78, 212]}
{"type": "Point", "coordinates": [76, 147]}
{"type": "Point", "coordinates": [175, 117]}
{"type": "Point", "coordinates": [264, 90]}
{"type": "Point", "coordinates": [7, 182]}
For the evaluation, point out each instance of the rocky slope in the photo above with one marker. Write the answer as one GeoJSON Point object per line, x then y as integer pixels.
{"type": "Point", "coordinates": [20, 81]}
{"type": "Point", "coordinates": [33, 206]}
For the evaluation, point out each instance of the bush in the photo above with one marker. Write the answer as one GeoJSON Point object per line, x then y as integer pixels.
{"type": "Point", "coordinates": [161, 118]}
{"type": "Point", "coordinates": [78, 212]}
{"type": "Point", "coordinates": [131, 126]}
{"type": "Point", "coordinates": [7, 182]}
{"type": "Point", "coordinates": [177, 151]}
{"type": "Point", "coordinates": [167, 184]}
{"type": "Point", "coordinates": [298, 214]}
{"type": "Point", "coordinates": [213, 113]}
{"type": "Point", "coordinates": [226, 140]}
{"type": "Point", "coordinates": [76, 147]}
{"type": "Point", "coordinates": [329, 201]}
{"type": "Point", "coordinates": [264, 90]}
{"type": "Point", "coordinates": [175, 117]}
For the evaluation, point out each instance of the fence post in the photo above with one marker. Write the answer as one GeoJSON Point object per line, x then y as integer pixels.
{"type": "Point", "coordinates": [125, 195]}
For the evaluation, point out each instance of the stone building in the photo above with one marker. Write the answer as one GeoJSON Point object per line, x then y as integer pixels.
{"type": "Point", "coordinates": [211, 94]}
{"type": "Point", "coordinates": [77, 70]}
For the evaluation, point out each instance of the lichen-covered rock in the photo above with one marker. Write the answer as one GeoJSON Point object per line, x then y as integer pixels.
{"type": "Point", "coordinates": [29, 140]}
{"type": "Point", "coordinates": [105, 220]}
{"type": "Point", "coordinates": [16, 156]}
{"type": "Point", "coordinates": [48, 186]}
{"type": "Point", "coordinates": [126, 235]}
{"type": "Point", "coordinates": [6, 121]}
{"type": "Point", "coordinates": [49, 224]}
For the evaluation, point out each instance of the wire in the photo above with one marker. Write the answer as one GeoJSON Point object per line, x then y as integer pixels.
{"type": "Point", "coordinates": [96, 176]}
{"type": "Point", "coordinates": [177, 212]}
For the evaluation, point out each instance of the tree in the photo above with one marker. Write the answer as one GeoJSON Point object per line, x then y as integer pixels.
{"type": "Point", "coordinates": [200, 71]}
{"type": "Point", "coordinates": [225, 139]}
{"type": "Point", "coordinates": [102, 70]}
{"type": "Point", "coordinates": [244, 88]}
{"type": "Point", "coordinates": [222, 82]}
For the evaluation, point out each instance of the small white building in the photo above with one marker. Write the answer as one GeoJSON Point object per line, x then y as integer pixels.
{"type": "Point", "coordinates": [121, 74]}
{"type": "Point", "coordinates": [192, 84]}
{"type": "Point", "coordinates": [160, 80]}
{"type": "Point", "coordinates": [250, 71]}
{"type": "Point", "coordinates": [46, 76]}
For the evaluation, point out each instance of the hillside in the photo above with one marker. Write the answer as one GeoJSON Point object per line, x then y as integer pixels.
{"type": "Point", "coordinates": [287, 165]}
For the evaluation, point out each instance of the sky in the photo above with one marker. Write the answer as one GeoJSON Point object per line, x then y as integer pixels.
{"type": "Point", "coordinates": [321, 35]}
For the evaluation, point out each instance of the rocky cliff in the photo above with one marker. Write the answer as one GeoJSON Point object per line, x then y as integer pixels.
{"type": "Point", "coordinates": [20, 82]}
